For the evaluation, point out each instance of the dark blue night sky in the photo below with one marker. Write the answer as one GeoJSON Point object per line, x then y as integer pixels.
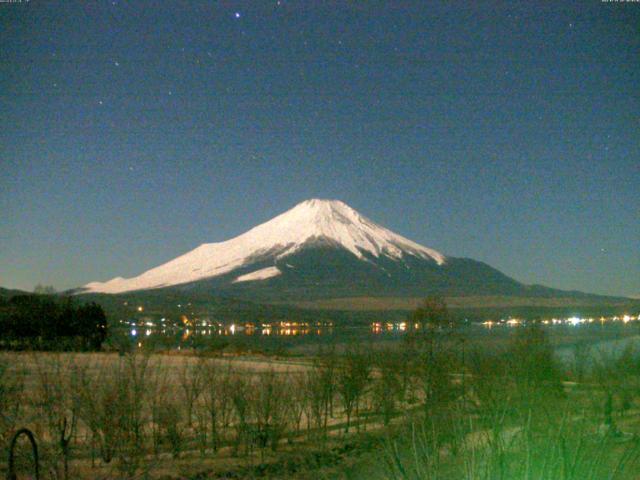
{"type": "Point", "coordinates": [133, 131]}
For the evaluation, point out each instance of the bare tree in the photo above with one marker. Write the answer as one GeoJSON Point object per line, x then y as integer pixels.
{"type": "Point", "coordinates": [387, 387]}
{"type": "Point", "coordinates": [533, 367]}
{"type": "Point", "coordinates": [111, 406]}
{"type": "Point", "coordinates": [159, 393]}
{"type": "Point", "coordinates": [216, 396]}
{"type": "Point", "coordinates": [136, 381]}
{"type": "Point", "coordinates": [56, 403]}
{"type": "Point", "coordinates": [299, 400]}
{"type": "Point", "coordinates": [240, 392]}
{"type": "Point", "coordinates": [269, 405]}
{"type": "Point", "coordinates": [171, 425]}
{"type": "Point", "coordinates": [429, 324]}
{"type": "Point", "coordinates": [431, 332]}
{"type": "Point", "coordinates": [320, 383]}
{"type": "Point", "coordinates": [352, 378]}
{"type": "Point", "coordinates": [191, 381]}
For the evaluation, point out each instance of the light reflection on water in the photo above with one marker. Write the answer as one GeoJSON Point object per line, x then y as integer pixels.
{"type": "Point", "coordinates": [191, 333]}
{"type": "Point", "coordinates": [236, 330]}
{"type": "Point", "coordinates": [267, 335]}
{"type": "Point", "coordinates": [292, 329]}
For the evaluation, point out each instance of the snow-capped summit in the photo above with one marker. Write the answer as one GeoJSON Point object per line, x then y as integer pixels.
{"type": "Point", "coordinates": [314, 221]}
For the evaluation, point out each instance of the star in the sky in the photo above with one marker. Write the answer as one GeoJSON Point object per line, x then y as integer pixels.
{"type": "Point", "coordinates": [100, 102]}
{"type": "Point", "coordinates": [237, 15]}
{"type": "Point", "coordinates": [116, 63]}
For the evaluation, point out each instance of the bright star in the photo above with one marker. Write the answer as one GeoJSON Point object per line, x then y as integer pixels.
{"type": "Point", "coordinates": [237, 15]}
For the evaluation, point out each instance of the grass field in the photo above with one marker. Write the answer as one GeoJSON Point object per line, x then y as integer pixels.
{"type": "Point", "coordinates": [491, 407]}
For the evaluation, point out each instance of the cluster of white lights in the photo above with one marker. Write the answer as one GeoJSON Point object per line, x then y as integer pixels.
{"type": "Point", "coordinates": [573, 321]}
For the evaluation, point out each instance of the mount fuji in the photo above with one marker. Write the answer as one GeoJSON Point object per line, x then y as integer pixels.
{"type": "Point", "coordinates": [320, 249]}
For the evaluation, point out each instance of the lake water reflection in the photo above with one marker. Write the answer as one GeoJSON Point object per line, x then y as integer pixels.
{"type": "Point", "coordinates": [195, 334]}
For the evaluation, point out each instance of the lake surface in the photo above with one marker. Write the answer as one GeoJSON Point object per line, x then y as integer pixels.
{"type": "Point", "coordinates": [602, 337]}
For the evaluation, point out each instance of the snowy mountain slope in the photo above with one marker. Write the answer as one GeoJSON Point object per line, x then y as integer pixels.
{"type": "Point", "coordinates": [261, 274]}
{"type": "Point", "coordinates": [313, 222]}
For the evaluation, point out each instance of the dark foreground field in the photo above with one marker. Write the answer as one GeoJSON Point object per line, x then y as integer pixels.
{"type": "Point", "coordinates": [437, 405]}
